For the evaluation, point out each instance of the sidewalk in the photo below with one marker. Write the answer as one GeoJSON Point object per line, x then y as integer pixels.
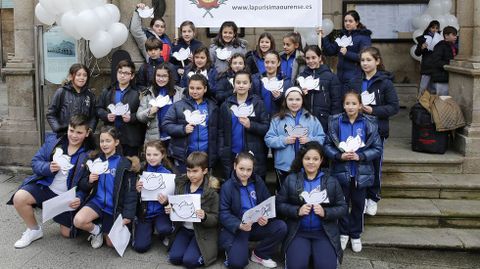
{"type": "Point", "coordinates": [55, 252]}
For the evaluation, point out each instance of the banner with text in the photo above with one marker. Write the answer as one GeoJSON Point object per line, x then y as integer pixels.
{"type": "Point", "coordinates": [250, 13]}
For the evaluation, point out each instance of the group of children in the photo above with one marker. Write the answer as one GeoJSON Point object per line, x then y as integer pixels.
{"type": "Point", "coordinates": [222, 115]}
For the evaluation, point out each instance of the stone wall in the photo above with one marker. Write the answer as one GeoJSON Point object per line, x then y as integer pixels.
{"type": "Point", "coordinates": [7, 43]}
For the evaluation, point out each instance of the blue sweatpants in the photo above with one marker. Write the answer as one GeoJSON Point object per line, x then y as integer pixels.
{"type": "Point", "coordinates": [270, 236]}
{"type": "Point", "coordinates": [184, 250]}
{"type": "Point", "coordinates": [308, 244]}
{"type": "Point", "coordinates": [142, 239]}
{"type": "Point", "coordinates": [374, 191]}
{"type": "Point", "coordinates": [351, 224]}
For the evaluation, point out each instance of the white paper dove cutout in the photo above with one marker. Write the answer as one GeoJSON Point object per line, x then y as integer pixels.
{"type": "Point", "coordinates": [182, 54]}
{"type": "Point", "coordinates": [296, 131]}
{"type": "Point", "coordinates": [184, 207]}
{"type": "Point", "coordinates": [97, 166]}
{"type": "Point", "coordinates": [316, 196]}
{"type": "Point", "coordinates": [368, 98]}
{"type": "Point", "coordinates": [119, 109]}
{"type": "Point", "coordinates": [231, 81]}
{"type": "Point", "coordinates": [62, 160]}
{"type": "Point", "coordinates": [196, 117]}
{"type": "Point", "coordinates": [272, 84]}
{"type": "Point", "coordinates": [155, 184]}
{"type": "Point", "coordinates": [431, 42]}
{"type": "Point", "coordinates": [352, 144]}
{"type": "Point", "coordinates": [146, 12]}
{"type": "Point", "coordinates": [203, 72]}
{"type": "Point", "coordinates": [161, 101]}
{"type": "Point", "coordinates": [223, 54]}
{"type": "Point", "coordinates": [344, 41]}
{"type": "Point", "coordinates": [309, 83]}
{"type": "Point", "coordinates": [243, 110]}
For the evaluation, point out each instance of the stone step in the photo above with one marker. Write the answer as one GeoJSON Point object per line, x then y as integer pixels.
{"type": "Point", "coordinates": [436, 186]}
{"type": "Point", "coordinates": [422, 238]}
{"type": "Point", "coordinates": [427, 212]}
{"type": "Point", "coordinates": [17, 155]}
{"type": "Point", "coordinates": [407, 94]}
{"type": "Point", "coordinates": [16, 137]}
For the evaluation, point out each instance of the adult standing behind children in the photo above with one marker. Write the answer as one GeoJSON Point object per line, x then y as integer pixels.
{"type": "Point", "coordinates": [225, 44]}
{"type": "Point", "coordinates": [348, 65]}
{"type": "Point", "coordinates": [73, 98]}
{"type": "Point", "coordinates": [443, 52]}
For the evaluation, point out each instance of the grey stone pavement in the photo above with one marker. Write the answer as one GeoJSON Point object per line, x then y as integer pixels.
{"type": "Point", "coordinates": [55, 252]}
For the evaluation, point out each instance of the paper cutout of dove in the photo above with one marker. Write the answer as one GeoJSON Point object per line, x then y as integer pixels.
{"type": "Point", "coordinates": [231, 81]}
{"type": "Point", "coordinates": [296, 131]}
{"type": "Point", "coordinates": [97, 166]}
{"type": "Point", "coordinates": [196, 117]}
{"type": "Point", "coordinates": [203, 72]}
{"type": "Point", "coordinates": [182, 54]}
{"type": "Point", "coordinates": [431, 42]}
{"type": "Point", "coordinates": [316, 196]}
{"type": "Point", "coordinates": [161, 101]}
{"type": "Point", "coordinates": [62, 160]}
{"type": "Point", "coordinates": [352, 144]}
{"type": "Point", "coordinates": [368, 98]}
{"type": "Point", "coordinates": [344, 41]}
{"type": "Point", "coordinates": [223, 54]}
{"type": "Point", "coordinates": [309, 83]}
{"type": "Point", "coordinates": [146, 12]}
{"type": "Point", "coordinates": [119, 109]}
{"type": "Point", "coordinates": [243, 110]}
{"type": "Point", "coordinates": [272, 84]}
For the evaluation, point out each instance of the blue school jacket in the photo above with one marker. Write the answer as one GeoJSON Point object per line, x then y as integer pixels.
{"type": "Point", "coordinates": [225, 88]}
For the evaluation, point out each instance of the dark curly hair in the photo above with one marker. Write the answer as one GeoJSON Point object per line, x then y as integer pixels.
{"type": "Point", "coordinates": [297, 163]}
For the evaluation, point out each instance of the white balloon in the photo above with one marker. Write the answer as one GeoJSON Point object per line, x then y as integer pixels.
{"type": "Point", "coordinates": [87, 24]}
{"type": "Point", "coordinates": [417, 22]}
{"type": "Point", "coordinates": [69, 21]}
{"type": "Point", "coordinates": [435, 8]}
{"type": "Point", "coordinates": [64, 5]}
{"type": "Point", "coordinates": [327, 26]}
{"type": "Point", "coordinates": [451, 20]}
{"type": "Point", "coordinates": [416, 34]}
{"type": "Point", "coordinates": [442, 19]}
{"type": "Point", "coordinates": [101, 44]}
{"type": "Point", "coordinates": [49, 5]}
{"type": "Point", "coordinates": [424, 20]}
{"type": "Point", "coordinates": [114, 12]}
{"type": "Point", "coordinates": [447, 5]}
{"type": "Point", "coordinates": [43, 15]}
{"type": "Point", "coordinates": [119, 33]}
{"type": "Point", "coordinates": [80, 5]}
{"type": "Point", "coordinates": [412, 53]}
{"type": "Point", "coordinates": [104, 16]}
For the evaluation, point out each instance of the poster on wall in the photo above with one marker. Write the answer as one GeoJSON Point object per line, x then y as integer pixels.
{"type": "Point", "coordinates": [59, 53]}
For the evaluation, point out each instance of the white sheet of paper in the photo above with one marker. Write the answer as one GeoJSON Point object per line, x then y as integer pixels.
{"type": "Point", "coordinates": [264, 209]}
{"type": "Point", "coordinates": [368, 98]}
{"type": "Point", "coordinates": [119, 235]}
{"type": "Point", "coordinates": [57, 205]}
{"type": "Point", "coordinates": [296, 131]}
{"type": "Point", "coordinates": [155, 184]}
{"type": "Point", "coordinates": [184, 207]}
{"type": "Point", "coordinates": [316, 196]}
{"type": "Point", "coordinates": [352, 144]}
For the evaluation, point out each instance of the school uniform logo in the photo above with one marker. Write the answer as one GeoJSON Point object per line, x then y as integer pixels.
{"type": "Point", "coordinates": [208, 5]}
{"type": "Point", "coordinates": [112, 171]}
{"type": "Point", "coordinates": [87, 101]}
{"type": "Point", "coordinates": [253, 195]}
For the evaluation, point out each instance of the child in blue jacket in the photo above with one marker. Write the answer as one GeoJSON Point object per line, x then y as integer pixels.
{"type": "Point", "coordinates": [198, 135]}
{"type": "Point", "coordinates": [242, 191]}
{"type": "Point", "coordinates": [187, 40]}
{"type": "Point", "coordinates": [352, 143]}
{"type": "Point", "coordinates": [201, 64]}
{"type": "Point", "coordinates": [111, 193]}
{"type": "Point", "coordinates": [325, 100]}
{"type": "Point", "coordinates": [255, 60]}
{"type": "Point", "coordinates": [49, 181]}
{"type": "Point", "coordinates": [293, 60]}
{"type": "Point", "coordinates": [226, 40]}
{"type": "Point", "coordinates": [292, 127]}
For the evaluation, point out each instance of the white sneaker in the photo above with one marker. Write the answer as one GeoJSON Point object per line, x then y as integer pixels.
{"type": "Point", "coordinates": [165, 241]}
{"type": "Point", "coordinates": [371, 207]}
{"type": "Point", "coordinates": [28, 237]}
{"type": "Point", "coordinates": [266, 263]}
{"type": "Point", "coordinates": [344, 241]}
{"type": "Point", "coordinates": [96, 240]}
{"type": "Point", "coordinates": [356, 245]}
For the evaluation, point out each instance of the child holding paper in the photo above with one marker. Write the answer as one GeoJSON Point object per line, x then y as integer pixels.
{"type": "Point", "coordinates": [292, 127]}
{"type": "Point", "coordinates": [201, 64]}
{"type": "Point", "coordinates": [151, 214]}
{"type": "Point", "coordinates": [312, 224]}
{"type": "Point", "coordinates": [123, 92]}
{"type": "Point", "coordinates": [111, 193]}
{"type": "Point", "coordinates": [195, 243]}
{"type": "Point", "coordinates": [187, 40]}
{"type": "Point", "coordinates": [243, 191]}
{"type": "Point", "coordinates": [243, 131]}
{"type": "Point", "coordinates": [225, 44]}
{"type": "Point", "coordinates": [255, 58]}
{"type": "Point", "coordinates": [192, 125]}
{"type": "Point", "coordinates": [352, 144]}
{"type": "Point", "coordinates": [293, 60]}
{"type": "Point", "coordinates": [49, 180]}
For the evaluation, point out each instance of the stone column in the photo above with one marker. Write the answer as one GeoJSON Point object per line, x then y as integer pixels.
{"type": "Point", "coordinates": [464, 83]}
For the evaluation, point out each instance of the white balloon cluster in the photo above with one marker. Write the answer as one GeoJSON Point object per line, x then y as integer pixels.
{"type": "Point", "coordinates": [93, 20]}
{"type": "Point", "coordinates": [437, 10]}
{"type": "Point", "coordinates": [309, 35]}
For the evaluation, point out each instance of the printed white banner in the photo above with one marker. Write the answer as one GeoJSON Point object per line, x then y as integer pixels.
{"type": "Point", "coordinates": [250, 13]}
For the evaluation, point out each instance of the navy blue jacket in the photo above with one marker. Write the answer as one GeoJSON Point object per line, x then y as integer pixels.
{"type": "Point", "coordinates": [328, 100]}
{"type": "Point", "coordinates": [348, 65]}
{"type": "Point", "coordinates": [212, 79]}
{"type": "Point", "coordinates": [289, 201]}
{"type": "Point", "coordinates": [230, 214]}
{"type": "Point", "coordinates": [387, 104]}
{"type": "Point", "coordinates": [276, 102]}
{"type": "Point", "coordinates": [372, 150]}
{"type": "Point", "coordinates": [124, 191]}
{"type": "Point", "coordinates": [225, 88]}
{"type": "Point", "coordinates": [181, 44]}
{"type": "Point", "coordinates": [133, 132]}
{"type": "Point", "coordinates": [174, 122]}
{"type": "Point", "coordinates": [426, 66]}
{"type": "Point", "coordinates": [145, 74]}
{"type": "Point", "coordinates": [252, 137]}
{"type": "Point", "coordinates": [252, 59]}
{"type": "Point", "coordinates": [441, 56]}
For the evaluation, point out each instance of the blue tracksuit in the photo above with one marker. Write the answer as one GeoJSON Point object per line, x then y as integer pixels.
{"type": "Point", "coordinates": [199, 136]}
{"type": "Point", "coordinates": [104, 195]}
{"type": "Point", "coordinates": [225, 88]}
{"type": "Point", "coordinates": [272, 104]}
{"type": "Point", "coordinates": [211, 77]}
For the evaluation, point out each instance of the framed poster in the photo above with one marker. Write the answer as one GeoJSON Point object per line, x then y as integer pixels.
{"type": "Point", "coordinates": [60, 52]}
